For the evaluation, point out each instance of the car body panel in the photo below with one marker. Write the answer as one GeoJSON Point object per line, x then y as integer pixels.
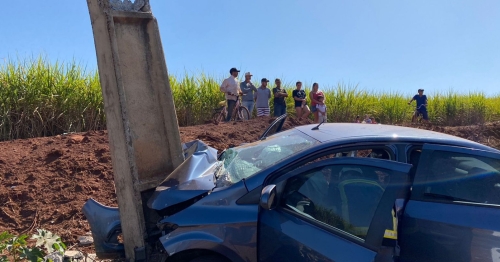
{"type": "Point", "coordinates": [215, 222]}
{"type": "Point", "coordinates": [439, 231]}
{"type": "Point", "coordinates": [235, 242]}
{"type": "Point", "coordinates": [194, 177]}
{"type": "Point", "coordinates": [288, 238]}
{"type": "Point", "coordinates": [446, 229]}
{"type": "Point", "coordinates": [105, 226]}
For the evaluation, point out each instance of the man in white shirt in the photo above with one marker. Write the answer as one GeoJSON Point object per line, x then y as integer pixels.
{"type": "Point", "coordinates": [231, 87]}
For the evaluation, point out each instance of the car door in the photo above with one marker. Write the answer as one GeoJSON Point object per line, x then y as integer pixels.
{"type": "Point", "coordinates": [275, 127]}
{"type": "Point", "coordinates": [454, 209]}
{"type": "Point", "coordinates": [331, 210]}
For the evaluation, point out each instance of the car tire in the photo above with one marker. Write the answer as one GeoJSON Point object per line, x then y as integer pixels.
{"type": "Point", "coordinates": [209, 258]}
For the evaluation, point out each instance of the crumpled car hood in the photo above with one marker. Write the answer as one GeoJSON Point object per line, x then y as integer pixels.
{"type": "Point", "coordinates": [194, 177]}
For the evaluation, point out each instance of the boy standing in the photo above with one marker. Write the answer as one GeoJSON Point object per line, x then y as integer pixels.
{"type": "Point", "coordinates": [262, 97]}
{"type": "Point", "coordinates": [321, 109]}
{"type": "Point", "coordinates": [421, 105]}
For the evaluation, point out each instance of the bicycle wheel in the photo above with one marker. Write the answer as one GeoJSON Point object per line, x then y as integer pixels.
{"type": "Point", "coordinates": [219, 116]}
{"type": "Point", "coordinates": [415, 119]}
{"type": "Point", "coordinates": [243, 114]}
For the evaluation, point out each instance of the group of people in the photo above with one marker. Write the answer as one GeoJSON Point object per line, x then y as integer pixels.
{"type": "Point", "coordinates": [367, 120]}
{"type": "Point", "coordinates": [253, 97]}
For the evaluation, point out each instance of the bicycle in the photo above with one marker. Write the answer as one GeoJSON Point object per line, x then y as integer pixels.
{"type": "Point", "coordinates": [417, 115]}
{"type": "Point", "coordinates": [240, 113]}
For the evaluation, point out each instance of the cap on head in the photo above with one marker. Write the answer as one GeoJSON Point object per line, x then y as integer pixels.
{"type": "Point", "coordinates": [420, 90]}
{"type": "Point", "coordinates": [248, 74]}
{"type": "Point", "coordinates": [264, 80]}
{"type": "Point", "coordinates": [233, 70]}
{"type": "Point", "coordinates": [277, 80]}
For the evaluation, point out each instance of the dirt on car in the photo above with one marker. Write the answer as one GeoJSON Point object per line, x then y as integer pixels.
{"type": "Point", "coordinates": [44, 182]}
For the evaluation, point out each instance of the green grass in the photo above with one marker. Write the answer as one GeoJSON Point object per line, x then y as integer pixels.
{"type": "Point", "coordinates": [38, 98]}
{"type": "Point", "coordinates": [195, 98]}
{"type": "Point", "coordinates": [42, 99]}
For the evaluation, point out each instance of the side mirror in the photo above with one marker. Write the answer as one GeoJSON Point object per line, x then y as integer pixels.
{"type": "Point", "coordinates": [267, 197]}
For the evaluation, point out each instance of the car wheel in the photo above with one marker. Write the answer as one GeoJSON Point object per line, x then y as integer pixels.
{"type": "Point", "coordinates": [209, 258]}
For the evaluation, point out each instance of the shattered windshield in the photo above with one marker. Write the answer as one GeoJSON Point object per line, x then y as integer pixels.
{"type": "Point", "coordinates": [244, 161]}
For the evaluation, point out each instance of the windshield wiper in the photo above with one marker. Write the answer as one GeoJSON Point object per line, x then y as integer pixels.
{"type": "Point", "coordinates": [446, 197]}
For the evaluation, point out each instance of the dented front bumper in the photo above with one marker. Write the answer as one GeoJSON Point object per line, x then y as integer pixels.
{"type": "Point", "coordinates": [106, 229]}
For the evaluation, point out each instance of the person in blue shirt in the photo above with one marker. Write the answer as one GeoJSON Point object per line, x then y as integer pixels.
{"type": "Point", "coordinates": [249, 90]}
{"type": "Point", "coordinates": [421, 104]}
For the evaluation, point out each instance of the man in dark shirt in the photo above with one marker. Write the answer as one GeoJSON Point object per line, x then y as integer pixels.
{"type": "Point", "coordinates": [279, 98]}
{"type": "Point", "coordinates": [421, 104]}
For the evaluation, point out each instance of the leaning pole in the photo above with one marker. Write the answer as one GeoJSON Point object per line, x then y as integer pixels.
{"type": "Point", "coordinates": [142, 124]}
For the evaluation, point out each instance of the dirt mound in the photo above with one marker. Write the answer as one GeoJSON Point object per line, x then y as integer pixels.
{"type": "Point", "coordinates": [44, 182]}
{"type": "Point", "coordinates": [487, 134]}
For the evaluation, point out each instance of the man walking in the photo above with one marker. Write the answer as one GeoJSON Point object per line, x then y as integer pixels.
{"type": "Point", "coordinates": [279, 98]}
{"type": "Point", "coordinates": [231, 87]}
{"type": "Point", "coordinates": [262, 97]}
{"type": "Point", "coordinates": [248, 90]}
{"type": "Point", "coordinates": [421, 105]}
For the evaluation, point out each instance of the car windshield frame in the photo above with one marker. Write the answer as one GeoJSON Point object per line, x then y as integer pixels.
{"type": "Point", "coordinates": [249, 159]}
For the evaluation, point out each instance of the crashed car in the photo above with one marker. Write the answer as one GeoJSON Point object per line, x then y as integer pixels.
{"type": "Point", "coordinates": [333, 192]}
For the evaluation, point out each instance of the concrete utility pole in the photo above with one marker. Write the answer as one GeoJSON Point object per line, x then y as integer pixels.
{"type": "Point", "coordinates": [140, 114]}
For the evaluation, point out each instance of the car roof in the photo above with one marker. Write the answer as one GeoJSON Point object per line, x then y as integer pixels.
{"type": "Point", "coordinates": [355, 131]}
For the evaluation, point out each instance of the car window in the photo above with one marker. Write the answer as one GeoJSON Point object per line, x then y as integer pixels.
{"type": "Point", "coordinates": [366, 152]}
{"type": "Point", "coordinates": [341, 196]}
{"type": "Point", "coordinates": [371, 151]}
{"type": "Point", "coordinates": [460, 177]}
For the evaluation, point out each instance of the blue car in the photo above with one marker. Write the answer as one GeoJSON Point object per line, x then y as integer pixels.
{"type": "Point", "coordinates": [333, 192]}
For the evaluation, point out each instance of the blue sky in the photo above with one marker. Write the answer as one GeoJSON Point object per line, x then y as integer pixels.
{"type": "Point", "coordinates": [398, 45]}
